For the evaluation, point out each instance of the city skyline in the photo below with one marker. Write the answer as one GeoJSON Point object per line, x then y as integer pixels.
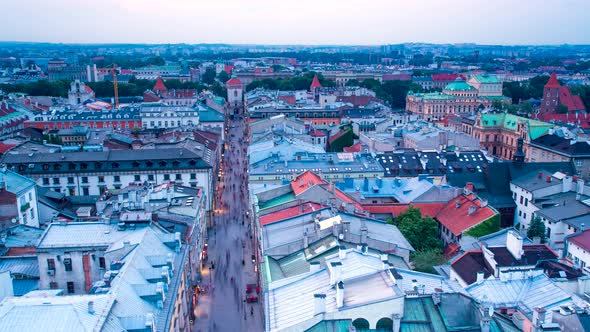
{"type": "Point", "coordinates": [309, 23]}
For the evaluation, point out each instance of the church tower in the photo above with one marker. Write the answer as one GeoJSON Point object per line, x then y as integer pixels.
{"type": "Point", "coordinates": [550, 101]}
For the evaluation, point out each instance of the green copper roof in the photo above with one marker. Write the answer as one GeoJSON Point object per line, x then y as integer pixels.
{"type": "Point", "coordinates": [208, 114]}
{"type": "Point", "coordinates": [459, 85]}
{"type": "Point", "coordinates": [487, 79]}
{"type": "Point", "coordinates": [510, 121]}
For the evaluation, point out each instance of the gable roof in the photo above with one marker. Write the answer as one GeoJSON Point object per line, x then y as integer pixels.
{"type": "Point", "coordinates": [305, 181]}
{"type": "Point", "coordinates": [159, 86]}
{"type": "Point", "coordinates": [553, 82]}
{"type": "Point", "coordinates": [315, 83]}
{"type": "Point", "coordinates": [456, 216]}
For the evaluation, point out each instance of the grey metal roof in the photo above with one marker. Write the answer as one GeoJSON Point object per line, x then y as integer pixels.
{"type": "Point", "coordinates": [25, 266]}
{"type": "Point", "coordinates": [532, 181]}
{"type": "Point", "coordinates": [104, 161]}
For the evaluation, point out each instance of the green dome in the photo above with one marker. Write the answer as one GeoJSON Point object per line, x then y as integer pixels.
{"type": "Point", "coordinates": [459, 85]}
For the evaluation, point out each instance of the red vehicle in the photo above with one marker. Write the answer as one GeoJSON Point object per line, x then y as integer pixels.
{"type": "Point", "coordinates": [252, 291]}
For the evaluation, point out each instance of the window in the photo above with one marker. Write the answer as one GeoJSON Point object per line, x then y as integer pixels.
{"type": "Point", "coordinates": [84, 179]}
{"type": "Point", "coordinates": [53, 285]}
{"type": "Point", "coordinates": [70, 180]}
{"type": "Point", "coordinates": [117, 178]}
{"type": "Point", "coordinates": [70, 287]}
{"type": "Point", "coordinates": [524, 215]}
{"type": "Point", "coordinates": [137, 178]}
{"type": "Point", "coordinates": [178, 176]}
{"type": "Point", "coordinates": [85, 191]}
{"type": "Point", "coordinates": [521, 199]}
{"type": "Point", "coordinates": [68, 264]}
{"type": "Point", "coordinates": [166, 177]}
{"type": "Point", "coordinates": [50, 264]}
{"type": "Point", "coordinates": [55, 180]}
{"type": "Point", "coordinates": [100, 179]}
{"type": "Point", "coordinates": [32, 212]}
{"type": "Point", "coordinates": [578, 163]}
{"type": "Point", "coordinates": [45, 181]}
{"type": "Point", "coordinates": [101, 262]}
{"type": "Point", "coordinates": [520, 213]}
{"type": "Point", "coordinates": [526, 202]}
{"type": "Point", "coordinates": [150, 177]}
{"type": "Point", "coordinates": [193, 176]}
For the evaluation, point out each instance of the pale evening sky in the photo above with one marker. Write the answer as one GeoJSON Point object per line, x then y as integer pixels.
{"type": "Point", "coordinates": [369, 22]}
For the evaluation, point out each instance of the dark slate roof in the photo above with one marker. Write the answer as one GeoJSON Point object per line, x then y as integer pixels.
{"type": "Point", "coordinates": [470, 263]}
{"type": "Point", "coordinates": [535, 180]}
{"type": "Point", "coordinates": [114, 160]}
{"type": "Point", "coordinates": [563, 146]}
{"type": "Point", "coordinates": [409, 163]}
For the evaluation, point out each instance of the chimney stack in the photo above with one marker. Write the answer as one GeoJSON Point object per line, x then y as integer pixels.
{"type": "Point", "coordinates": [91, 307]}
{"type": "Point", "coordinates": [540, 175]}
{"type": "Point", "coordinates": [340, 295]}
{"type": "Point", "coordinates": [471, 210]}
{"type": "Point", "coordinates": [335, 271]}
{"type": "Point", "coordinates": [319, 304]}
{"type": "Point", "coordinates": [514, 244]}
{"type": "Point", "coordinates": [548, 179]}
{"type": "Point", "coordinates": [538, 318]}
{"type": "Point", "coordinates": [480, 277]}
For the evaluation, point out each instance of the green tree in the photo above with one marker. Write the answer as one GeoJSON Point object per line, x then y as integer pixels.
{"type": "Point", "coordinates": [223, 77]}
{"type": "Point", "coordinates": [526, 107]}
{"type": "Point", "coordinates": [156, 61]}
{"type": "Point", "coordinates": [421, 232]}
{"type": "Point", "coordinates": [209, 75]}
{"type": "Point", "coordinates": [218, 89]}
{"type": "Point", "coordinates": [537, 229]}
{"type": "Point", "coordinates": [562, 109]}
{"type": "Point", "coordinates": [353, 82]}
{"type": "Point", "coordinates": [424, 260]}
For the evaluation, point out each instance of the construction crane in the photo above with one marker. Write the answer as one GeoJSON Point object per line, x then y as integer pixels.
{"type": "Point", "coordinates": [115, 85]}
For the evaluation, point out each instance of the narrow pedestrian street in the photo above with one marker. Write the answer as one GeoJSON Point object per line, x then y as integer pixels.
{"type": "Point", "coordinates": [223, 303]}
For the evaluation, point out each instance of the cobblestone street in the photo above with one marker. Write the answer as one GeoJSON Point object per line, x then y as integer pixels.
{"type": "Point", "coordinates": [230, 268]}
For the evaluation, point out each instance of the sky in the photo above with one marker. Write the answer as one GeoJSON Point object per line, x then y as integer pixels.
{"type": "Point", "coordinates": [307, 22]}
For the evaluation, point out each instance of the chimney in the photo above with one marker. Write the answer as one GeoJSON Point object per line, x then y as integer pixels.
{"type": "Point", "coordinates": [340, 295]}
{"type": "Point", "coordinates": [364, 234]}
{"type": "Point", "coordinates": [580, 187]}
{"type": "Point", "coordinates": [548, 179]}
{"type": "Point", "coordinates": [457, 204]}
{"type": "Point", "coordinates": [149, 321]}
{"type": "Point", "coordinates": [514, 244]}
{"type": "Point", "coordinates": [480, 277]}
{"type": "Point", "coordinates": [335, 271]}
{"type": "Point", "coordinates": [484, 202]}
{"type": "Point", "coordinates": [567, 184]}
{"type": "Point", "coordinates": [305, 240]}
{"type": "Point", "coordinates": [314, 266]}
{"type": "Point", "coordinates": [437, 295]}
{"type": "Point", "coordinates": [538, 318]}
{"type": "Point", "coordinates": [342, 252]}
{"type": "Point", "coordinates": [487, 312]}
{"type": "Point", "coordinates": [540, 175]}
{"type": "Point", "coordinates": [471, 210]}
{"type": "Point", "coordinates": [91, 307]}
{"type": "Point", "coordinates": [319, 304]}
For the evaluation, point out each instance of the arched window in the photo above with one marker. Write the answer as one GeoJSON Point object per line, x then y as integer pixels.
{"type": "Point", "coordinates": [385, 324]}
{"type": "Point", "coordinates": [360, 324]}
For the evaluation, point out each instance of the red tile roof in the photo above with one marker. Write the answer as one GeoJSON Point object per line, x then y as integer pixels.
{"type": "Point", "coordinates": [578, 119]}
{"type": "Point", "coordinates": [582, 240]}
{"type": "Point", "coordinates": [315, 83]}
{"type": "Point", "coordinates": [573, 103]}
{"type": "Point", "coordinates": [426, 209]}
{"type": "Point", "coordinates": [444, 77]}
{"type": "Point", "coordinates": [553, 82]}
{"type": "Point", "coordinates": [317, 133]}
{"type": "Point", "coordinates": [159, 86]}
{"type": "Point", "coordinates": [347, 199]}
{"type": "Point", "coordinates": [228, 69]}
{"type": "Point", "coordinates": [291, 212]}
{"type": "Point", "coordinates": [305, 181]}
{"type": "Point", "coordinates": [5, 147]}
{"type": "Point", "coordinates": [354, 148]}
{"type": "Point", "coordinates": [458, 219]}
{"type": "Point", "coordinates": [88, 89]}
{"type": "Point", "coordinates": [234, 81]}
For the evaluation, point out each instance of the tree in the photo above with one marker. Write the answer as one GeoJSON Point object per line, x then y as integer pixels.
{"type": "Point", "coordinates": [424, 260]}
{"type": "Point", "coordinates": [421, 232]}
{"type": "Point", "coordinates": [526, 107]}
{"type": "Point", "coordinates": [537, 229]}
{"type": "Point", "coordinates": [219, 89]}
{"type": "Point", "coordinates": [562, 109]}
{"type": "Point", "coordinates": [223, 77]}
{"type": "Point", "coordinates": [209, 75]}
{"type": "Point", "coordinates": [353, 82]}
